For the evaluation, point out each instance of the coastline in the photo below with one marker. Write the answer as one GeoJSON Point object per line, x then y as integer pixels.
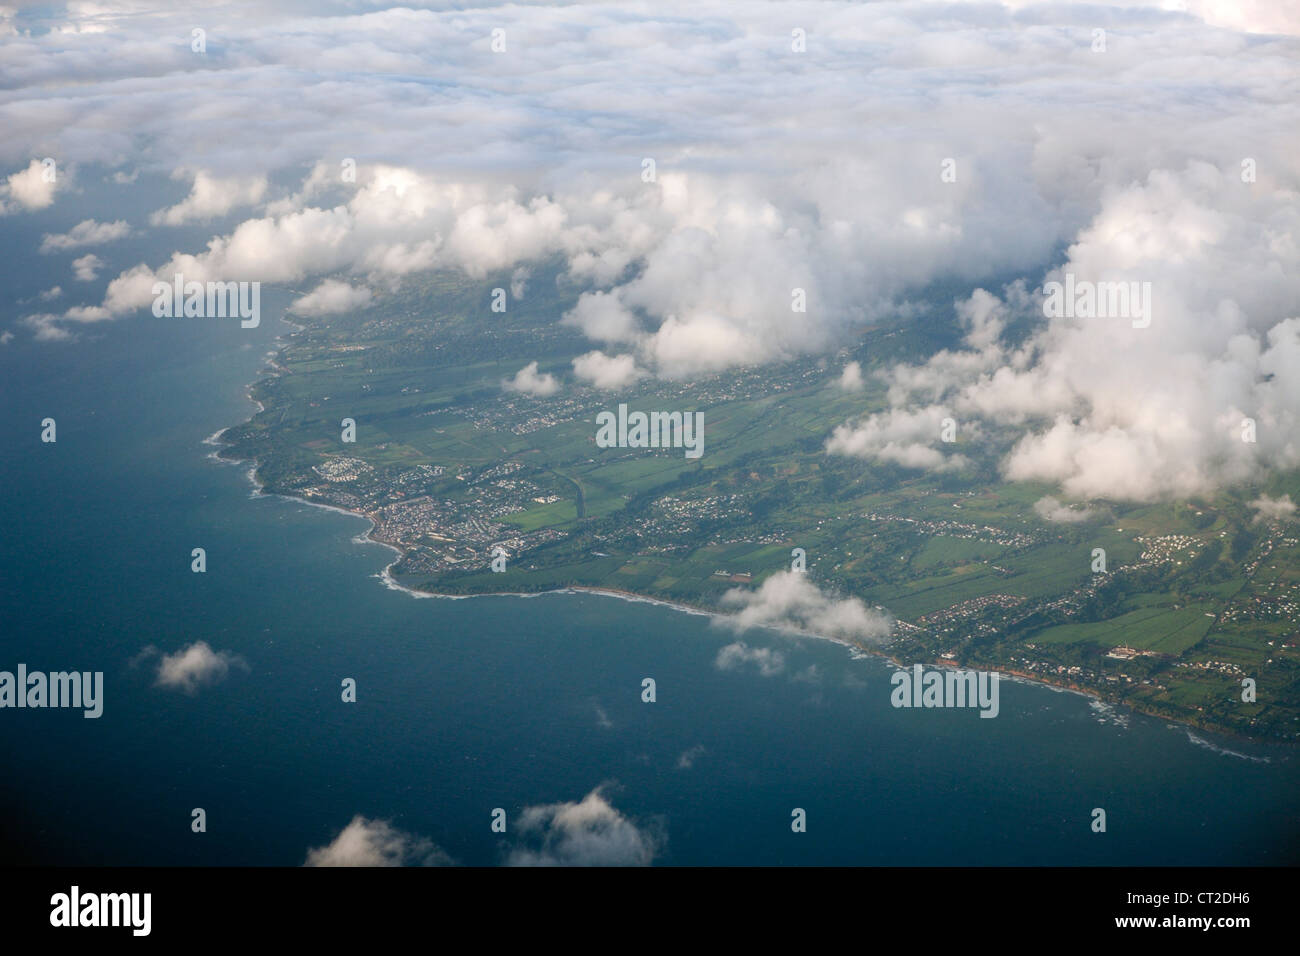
{"type": "Point", "coordinates": [386, 578]}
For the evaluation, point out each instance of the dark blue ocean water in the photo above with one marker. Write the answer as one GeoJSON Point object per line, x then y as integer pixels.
{"type": "Point", "coordinates": [474, 704]}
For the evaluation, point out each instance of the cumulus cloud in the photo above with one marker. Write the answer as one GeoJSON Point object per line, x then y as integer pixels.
{"type": "Point", "coordinates": [330, 298]}
{"type": "Point", "coordinates": [366, 842]}
{"type": "Point", "coordinates": [851, 378]}
{"type": "Point", "coordinates": [603, 317]}
{"type": "Point", "coordinates": [1053, 510]}
{"type": "Point", "coordinates": [30, 188]}
{"type": "Point", "coordinates": [86, 313]}
{"type": "Point", "coordinates": [196, 665]}
{"type": "Point", "coordinates": [590, 832]}
{"type": "Point", "coordinates": [1201, 397]}
{"type": "Point", "coordinates": [789, 600]}
{"type": "Point", "coordinates": [912, 439]}
{"type": "Point", "coordinates": [531, 382]}
{"type": "Point", "coordinates": [87, 267]}
{"type": "Point", "coordinates": [733, 656]}
{"type": "Point", "coordinates": [1273, 509]}
{"type": "Point", "coordinates": [88, 232]}
{"type": "Point", "coordinates": [211, 196]}
{"type": "Point", "coordinates": [45, 328]}
{"type": "Point", "coordinates": [607, 371]}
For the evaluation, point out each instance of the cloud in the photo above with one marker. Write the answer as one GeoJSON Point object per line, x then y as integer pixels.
{"type": "Point", "coordinates": [1053, 510]}
{"type": "Point", "coordinates": [851, 379]}
{"type": "Point", "coordinates": [86, 313]}
{"type": "Point", "coordinates": [789, 600]}
{"type": "Point", "coordinates": [768, 661]}
{"type": "Point", "coordinates": [1108, 166]}
{"type": "Point", "coordinates": [1202, 397]}
{"type": "Point", "coordinates": [587, 833]}
{"type": "Point", "coordinates": [603, 317]}
{"type": "Point", "coordinates": [899, 436]}
{"type": "Point", "coordinates": [195, 665]}
{"type": "Point", "coordinates": [88, 232]}
{"type": "Point", "coordinates": [607, 371]}
{"type": "Point", "coordinates": [50, 294]}
{"type": "Point", "coordinates": [530, 382]}
{"type": "Point", "coordinates": [211, 196]}
{"type": "Point", "coordinates": [688, 757]}
{"type": "Point", "coordinates": [30, 188]}
{"type": "Point", "coordinates": [6, 337]}
{"type": "Point", "coordinates": [519, 282]}
{"type": "Point", "coordinates": [1273, 509]}
{"type": "Point", "coordinates": [330, 298]}
{"type": "Point", "coordinates": [366, 842]}
{"type": "Point", "coordinates": [45, 328]}
{"type": "Point", "coordinates": [87, 267]}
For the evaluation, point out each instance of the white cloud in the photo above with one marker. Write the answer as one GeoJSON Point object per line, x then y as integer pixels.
{"type": "Point", "coordinates": [330, 298]}
{"type": "Point", "coordinates": [88, 232]}
{"type": "Point", "coordinates": [607, 371]}
{"type": "Point", "coordinates": [86, 313]}
{"type": "Point", "coordinates": [769, 662]}
{"type": "Point", "coordinates": [1105, 409]}
{"type": "Point", "coordinates": [908, 438]}
{"type": "Point", "coordinates": [851, 378]}
{"type": "Point", "coordinates": [87, 267]}
{"type": "Point", "coordinates": [366, 842]}
{"type": "Point", "coordinates": [529, 381]}
{"type": "Point", "coordinates": [519, 282]}
{"type": "Point", "coordinates": [195, 665]}
{"type": "Point", "coordinates": [45, 328]}
{"type": "Point", "coordinates": [1273, 509]}
{"type": "Point", "coordinates": [1053, 510]}
{"type": "Point", "coordinates": [789, 600]}
{"type": "Point", "coordinates": [30, 188]}
{"type": "Point", "coordinates": [211, 196]}
{"type": "Point", "coordinates": [587, 833]}
{"type": "Point", "coordinates": [784, 176]}
{"type": "Point", "coordinates": [603, 317]}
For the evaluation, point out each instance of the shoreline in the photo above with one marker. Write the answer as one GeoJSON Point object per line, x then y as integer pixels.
{"type": "Point", "coordinates": [386, 578]}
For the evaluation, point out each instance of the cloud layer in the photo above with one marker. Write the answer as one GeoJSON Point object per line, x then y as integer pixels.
{"type": "Point", "coordinates": [720, 195]}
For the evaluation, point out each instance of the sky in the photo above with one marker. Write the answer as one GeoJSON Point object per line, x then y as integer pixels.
{"type": "Point", "coordinates": [698, 168]}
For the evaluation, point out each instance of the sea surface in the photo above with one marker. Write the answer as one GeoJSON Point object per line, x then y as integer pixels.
{"type": "Point", "coordinates": [468, 705]}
